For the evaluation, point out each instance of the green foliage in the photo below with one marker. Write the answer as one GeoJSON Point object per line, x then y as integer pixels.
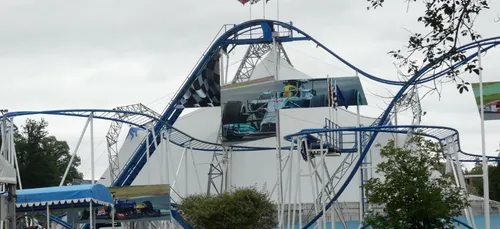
{"type": "Point", "coordinates": [243, 208]}
{"type": "Point", "coordinates": [476, 184]}
{"type": "Point", "coordinates": [445, 24]}
{"type": "Point", "coordinates": [42, 158]}
{"type": "Point", "coordinates": [408, 193]}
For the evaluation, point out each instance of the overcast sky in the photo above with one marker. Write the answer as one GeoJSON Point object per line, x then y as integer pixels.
{"type": "Point", "coordinates": [57, 54]}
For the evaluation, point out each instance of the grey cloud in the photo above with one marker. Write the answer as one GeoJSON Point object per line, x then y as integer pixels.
{"type": "Point", "coordinates": [60, 54]}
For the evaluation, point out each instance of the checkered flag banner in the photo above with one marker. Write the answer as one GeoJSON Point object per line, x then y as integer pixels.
{"type": "Point", "coordinates": [205, 90]}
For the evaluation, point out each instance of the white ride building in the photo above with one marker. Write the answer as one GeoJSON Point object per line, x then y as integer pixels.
{"type": "Point", "coordinates": [188, 170]}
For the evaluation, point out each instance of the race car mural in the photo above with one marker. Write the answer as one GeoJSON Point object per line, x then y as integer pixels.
{"type": "Point", "coordinates": [124, 210]}
{"type": "Point", "coordinates": [131, 203]}
{"type": "Point", "coordinates": [245, 118]}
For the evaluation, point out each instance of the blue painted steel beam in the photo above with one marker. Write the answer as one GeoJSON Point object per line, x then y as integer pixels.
{"type": "Point", "coordinates": [413, 80]}
{"type": "Point", "coordinates": [101, 114]}
{"type": "Point", "coordinates": [171, 114]}
{"type": "Point", "coordinates": [231, 37]}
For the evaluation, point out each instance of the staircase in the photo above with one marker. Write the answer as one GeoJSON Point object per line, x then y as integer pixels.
{"type": "Point", "coordinates": [349, 147]}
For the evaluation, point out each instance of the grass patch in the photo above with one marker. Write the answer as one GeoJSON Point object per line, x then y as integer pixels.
{"type": "Point", "coordinates": [488, 98]}
{"type": "Point", "coordinates": [140, 190]}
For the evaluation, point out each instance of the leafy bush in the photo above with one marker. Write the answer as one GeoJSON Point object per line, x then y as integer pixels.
{"type": "Point", "coordinates": [242, 208]}
{"type": "Point", "coordinates": [410, 195]}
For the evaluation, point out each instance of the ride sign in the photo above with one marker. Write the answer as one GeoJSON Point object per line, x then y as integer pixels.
{"type": "Point", "coordinates": [132, 204]}
{"type": "Point", "coordinates": [249, 110]}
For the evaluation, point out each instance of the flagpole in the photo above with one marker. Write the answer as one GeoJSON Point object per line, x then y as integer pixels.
{"type": "Point", "coordinates": [277, 10]}
{"type": "Point", "coordinates": [264, 8]}
{"type": "Point", "coordinates": [486, 193]}
{"type": "Point", "coordinates": [335, 100]}
{"type": "Point", "coordinates": [330, 100]}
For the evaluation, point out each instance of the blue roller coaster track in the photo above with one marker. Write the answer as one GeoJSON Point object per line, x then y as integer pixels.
{"type": "Point", "coordinates": [237, 36]}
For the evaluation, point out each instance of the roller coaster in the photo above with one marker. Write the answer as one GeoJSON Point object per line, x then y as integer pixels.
{"type": "Point", "coordinates": [306, 144]}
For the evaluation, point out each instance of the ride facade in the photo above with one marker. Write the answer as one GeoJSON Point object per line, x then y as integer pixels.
{"type": "Point", "coordinates": [313, 154]}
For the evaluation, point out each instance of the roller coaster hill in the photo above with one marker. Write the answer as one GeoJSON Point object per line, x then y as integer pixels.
{"type": "Point", "coordinates": [242, 166]}
{"type": "Point", "coordinates": [315, 172]}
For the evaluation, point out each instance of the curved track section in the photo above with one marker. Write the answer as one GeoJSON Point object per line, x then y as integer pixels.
{"type": "Point", "coordinates": [439, 133]}
{"type": "Point", "coordinates": [177, 137]}
{"type": "Point", "coordinates": [231, 38]}
{"type": "Point", "coordinates": [182, 139]}
{"type": "Point", "coordinates": [417, 78]}
{"type": "Point", "coordinates": [238, 35]}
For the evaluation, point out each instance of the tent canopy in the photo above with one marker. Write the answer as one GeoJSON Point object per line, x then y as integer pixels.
{"type": "Point", "coordinates": [267, 67]}
{"type": "Point", "coordinates": [63, 197]}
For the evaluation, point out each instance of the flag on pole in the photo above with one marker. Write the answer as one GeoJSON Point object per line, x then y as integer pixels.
{"type": "Point", "coordinates": [329, 89]}
{"type": "Point", "coordinates": [251, 1]}
{"type": "Point", "coordinates": [332, 94]}
{"type": "Point", "coordinates": [340, 96]}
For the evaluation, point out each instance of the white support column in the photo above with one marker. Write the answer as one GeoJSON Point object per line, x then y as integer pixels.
{"type": "Point", "coordinates": [332, 210]}
{"type": "Point", "coordinates": [14, 153]}
{"type": "Point", "coordinates": [47, 214]}
{"type": "Point", "coordinates": [483, 148]}
{"type": "Point", "coordinates": [91, 213]}
{"type": "Point", "coordinates": [264, 9]}
{"type": "Point", "coordinates": [186, 171]}
{"type": "Point", "coordinates": [9, 142]}
{"type": "Point", "coordinates": [227, 67]}
{"type": "Point", "coordinates": [396, 106]}
{"type": "Point", "coordinates": [299, 180]}
{"type": "Point", "coordinates": [314, 185]}
{"type": "Point", "coordinates": [113, 216]}
{"type": "Point", "coordinates": [225, 169]}
{"type": "Point", "coordinates": [230, 168]}
{"type": "Point", "coordinates": [453, 166]}
{"type": "Point", "coordinates": [167, 168]}
{"type": "Point", "coordinates": [323, 183]}
{"type": "Point", "coordinates": [221, 68]}
{"type": "Point", "coordinates": [75, 151]}
{"type": "Point", "coordinates": [155, 143]}
{"type": "Point", "coordinates": [297, 177]}
{"type": "Point", "coordinates": [162, 158]}
{"type": "Point", "coordinates": [148, 165]}
{"type": "Point", "coordinates": [92, 161]}
{"type": "Point", "coordinates": [19, 181]}
{"type": "Point", "coordinates": [179, 167]}
{"type": "Point", "coordinates": [167, 157]}
{"type": "Point", "coordinates": [468, 211]}
{"type": "Point", "coordinates": [289, 191]}
{"type": "Point", "coordinates": [195, 167]}
{"type": "Point", "coordinates": [278, 127]}
{"type": "Point", "coordinates": [4, 139]}
{"type": "Point", "coordinates": [358, 136]}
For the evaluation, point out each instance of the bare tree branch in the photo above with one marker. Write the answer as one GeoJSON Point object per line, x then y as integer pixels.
{"type": "Point", "coordinates": [445, 23]}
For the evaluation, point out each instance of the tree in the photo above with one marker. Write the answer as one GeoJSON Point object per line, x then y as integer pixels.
{"type": "Point", "coordinates": [446, 23]}
{"type": "Point", "coordinates": [410, 195]}
{"type": "Point", "coordinates": [42, 158]}
{"type": "Point", "coordinates": [476, 183]}
{"type": "Point", "coordinates": [243, 208]}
